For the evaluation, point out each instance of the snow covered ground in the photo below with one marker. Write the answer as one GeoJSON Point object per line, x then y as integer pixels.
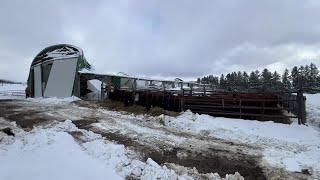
{"type": "Point", "coordinates": [292, 147]}
{"type": "Point", "coordinates": [6, 87]}
{"type": "Point", "coordinates": [12, 91]}
{"type": "Point", "coordinates": [53, 100]}
{"type": "Point", "coordinates": [313, 109]}
{"type": "Point", "coordinates": [62, 147]}
{"type": "Point", "coordinates": [52, 152]}
{"type": "Point", "coordinates": [48, 154]}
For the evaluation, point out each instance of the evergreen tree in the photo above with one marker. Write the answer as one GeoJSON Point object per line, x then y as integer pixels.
{"type": "Point", "coordinates": [302, 73]}
{"type": "Point", "coordinates": [228, 81]}
{"type": "Point", "coordinates": [254, 79]}
{"type": "Point", "coordinates": [286, 80]}
{"type": "Point", "coordinates": [245, 80]}
{"type": "Point", "coordinates": [275, 81]}
{"type": "Point", "coordinates": [266, 77]}
{"type": "Point", "coordinates": [314, 77]}
{"type": "Point", "coordinates": [307, 76]}
{"type": "Point", "coordinates": [295, 77]}
{"type": "Point", "coordinates": [239, 80]}
{"type": "Point", "coordinates": [222, 82]}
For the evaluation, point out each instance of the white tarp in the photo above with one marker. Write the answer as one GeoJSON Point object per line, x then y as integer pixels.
{"type": "Point", "coordinates": [61, 78]}
{"type": "Point", "coordinates": [94, 85]}
{"type": "Point", "coordinates": [37, 81]}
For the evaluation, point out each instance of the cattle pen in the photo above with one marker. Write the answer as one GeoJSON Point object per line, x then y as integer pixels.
{"type": "Point", "coordinates": [179, 96]}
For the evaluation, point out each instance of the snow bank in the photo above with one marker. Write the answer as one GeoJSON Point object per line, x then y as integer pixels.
{"type": "Point", "coordinates": [54, 100]}
{"type": "Point", "coordinates": [48, 154]}
{"type": "Point", "coordinates": [221, 127]}
{"type": "Point", "coordinates": [293, 147]}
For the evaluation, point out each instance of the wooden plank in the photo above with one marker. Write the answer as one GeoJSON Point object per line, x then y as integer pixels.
{"type": "Point", "coordinates": [245, 114]}
{"type": "Point", "coordinates": [235, 107]}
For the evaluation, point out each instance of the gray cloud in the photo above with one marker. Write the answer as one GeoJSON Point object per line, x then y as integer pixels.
{"type": "Point", "coordinates": [163, 38]}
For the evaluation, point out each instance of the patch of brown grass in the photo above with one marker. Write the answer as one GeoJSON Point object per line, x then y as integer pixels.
{"type": "Point", "coordinates": [136, 109]}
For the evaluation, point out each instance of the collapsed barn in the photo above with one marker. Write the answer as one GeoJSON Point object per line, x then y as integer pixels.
{"type": "Point", "coordinates": [57, 72]}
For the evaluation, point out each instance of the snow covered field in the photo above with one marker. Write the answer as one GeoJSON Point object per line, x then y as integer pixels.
{"type": "Point", "coordinates": [7, 87]}
{"type": "Point", "coordinates": [12, 91]}
{"type": "Point", "coordinates": [60, 146]}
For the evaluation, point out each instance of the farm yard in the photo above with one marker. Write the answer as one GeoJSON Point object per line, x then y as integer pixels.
{"type": "Point", "coordinates": [160, 90]}
{"type": "Point", "coordinates": [69, 138]}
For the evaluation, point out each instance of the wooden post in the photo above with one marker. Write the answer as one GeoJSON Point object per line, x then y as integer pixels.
{"type": "Point", "coordinates": [223, 103]}
{"type": "Point", "coordinates": [263, 108]}
{"type": "Point", "coordinates": [148, 101]}
{"type": "Point", "coordinates": [240, 108]}
{"type": "Point", "coordinates": [181, 89]}
{"type": "Point", "coordinates": [182, 103]}
{"type": "Point", "coordinates": [301, 102]}
{"type": "Point", "coordinates": [102, 92]}
{"type": "Point", "coordinates": [133, 96]}
{"type": "Point", "coordinates": [163, 86]}
{"type": "Point", "coordinates": [304, 113]}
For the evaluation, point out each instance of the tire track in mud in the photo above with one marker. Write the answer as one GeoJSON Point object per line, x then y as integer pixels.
{"type": "Point", "coordinates": [208, 160]}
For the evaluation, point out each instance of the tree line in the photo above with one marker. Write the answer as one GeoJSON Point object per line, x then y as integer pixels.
{"type": "Point", "coordinates": [3, 81]}
{"type": "Point", "coordinates": [305, 77]}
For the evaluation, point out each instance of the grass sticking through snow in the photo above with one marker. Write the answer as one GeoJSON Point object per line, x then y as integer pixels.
{"type": "Point", "coordinates": [136, 109]}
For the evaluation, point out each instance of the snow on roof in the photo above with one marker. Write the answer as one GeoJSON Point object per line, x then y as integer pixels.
{"type": "Point", "coordinates": [56, 52]}
{"type": "Point", "coordinates": [123, 75]}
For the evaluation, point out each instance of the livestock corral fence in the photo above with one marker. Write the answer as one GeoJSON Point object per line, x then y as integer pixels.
{"type": "Point", "coordinates": [178, 96]}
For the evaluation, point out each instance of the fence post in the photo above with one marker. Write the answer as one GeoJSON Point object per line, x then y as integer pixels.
{"type": "Point", "coordinates": [301, 101]}
{"type": "Point", "coordinates": [134, 91]}
{"type": "Point", "coordinates": [102, 92]}
{"type": "Point", "coordinates": [240, 104]}
{"type": "Point", "coordinates": [182, 103]}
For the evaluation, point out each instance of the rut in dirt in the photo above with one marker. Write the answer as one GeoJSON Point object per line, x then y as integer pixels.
{"type": "Point", "coordinates": [26, 119]}
{"type": "Point", "coordinates": [212, 161]}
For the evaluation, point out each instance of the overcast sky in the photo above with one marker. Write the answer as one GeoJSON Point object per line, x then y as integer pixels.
{"type": "Point", "coordinates": [182, 38]}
